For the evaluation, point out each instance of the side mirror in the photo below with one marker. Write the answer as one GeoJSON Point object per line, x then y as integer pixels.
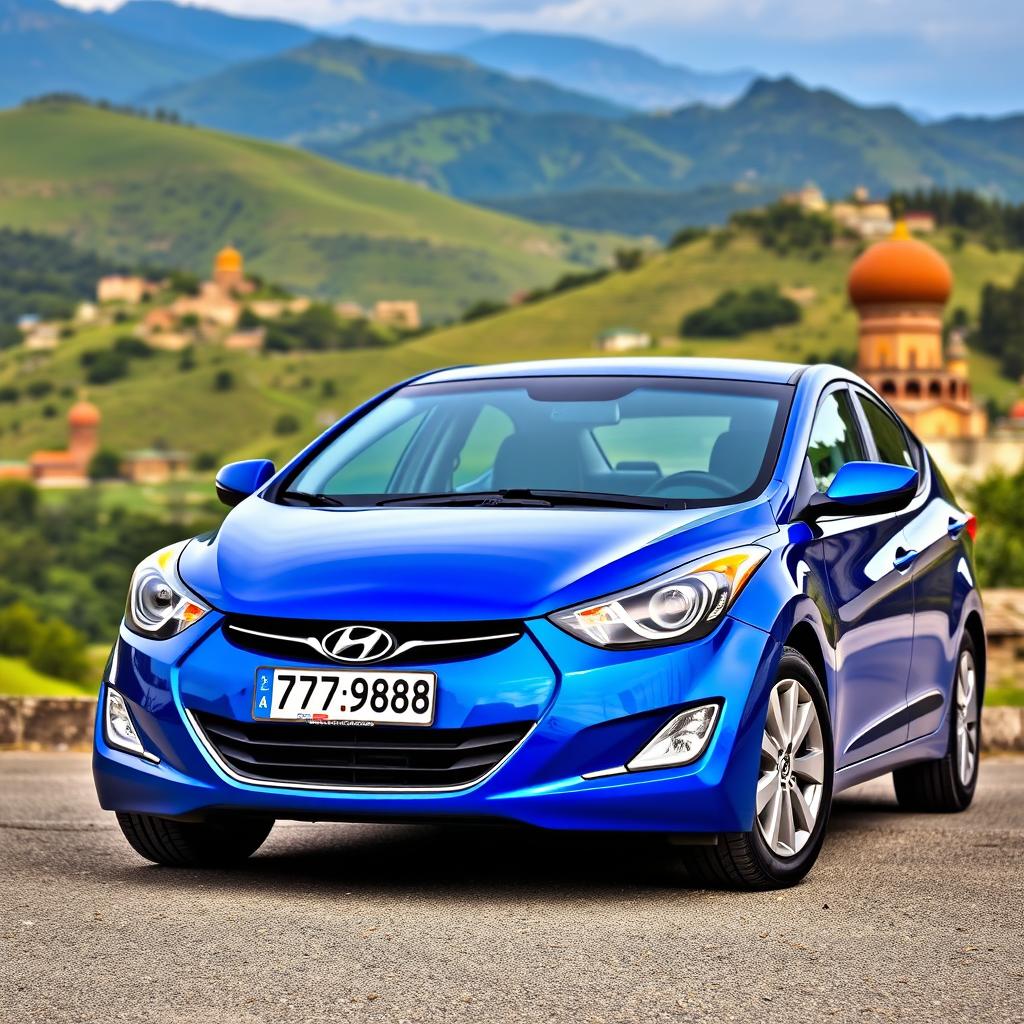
{"type": "Point", "coordinates": [867, 488]}
{"type": "Point", "coordinates": [237, 480]}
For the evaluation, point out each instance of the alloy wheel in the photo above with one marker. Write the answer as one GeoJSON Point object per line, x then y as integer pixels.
{"type": "Point", "coordinates": [966, 718]}
{"type": "Point", "coordinates": [791, 782]}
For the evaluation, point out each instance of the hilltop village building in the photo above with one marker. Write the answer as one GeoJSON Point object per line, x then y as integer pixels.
{"type": "Point", "coordinates": [900, 288]}
{"type": "Point", "coordinates": [69, 468]}
{"type": "Point", "coordinates": [860, 214]}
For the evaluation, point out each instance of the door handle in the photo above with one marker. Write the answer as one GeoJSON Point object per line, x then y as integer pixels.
{"type": "Point", "coordinates": [956, 527]}
{"type": "Point", "coordinates": [904, 559]}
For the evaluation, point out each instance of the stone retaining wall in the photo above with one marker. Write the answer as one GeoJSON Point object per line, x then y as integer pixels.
{"type": "Point", "coordinates": [46, 723]}
{"type": "Point", "coordinates": [50, 723]}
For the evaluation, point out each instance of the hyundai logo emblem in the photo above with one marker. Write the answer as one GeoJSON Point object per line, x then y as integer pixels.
{"type": "Point", "coordinates": [358, 644]}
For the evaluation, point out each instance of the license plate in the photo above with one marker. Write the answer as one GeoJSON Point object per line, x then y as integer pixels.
{"type": "Point", "coordinates": [325, 696]}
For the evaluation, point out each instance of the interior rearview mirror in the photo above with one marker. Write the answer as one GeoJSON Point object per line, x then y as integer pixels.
{"type": "Point", "coordinates": [237, 480]}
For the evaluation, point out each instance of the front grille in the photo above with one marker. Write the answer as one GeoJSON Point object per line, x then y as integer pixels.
{"type": "Point", "coordinates": [376, 756]}
{"type": "Point", "coordinates": [416, 643]}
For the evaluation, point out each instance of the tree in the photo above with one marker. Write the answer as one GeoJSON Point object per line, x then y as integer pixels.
{"type": "Point", "coordinates": [998, 502]}
{"type": "Point", "coordinates": [482, 308]}
{"type": "Point", "coordinates": [181, 282]}
{"type": "Point", "coordinates": [734, 313]}
{"type": "Point", "coordinates": [105, 465]}
{"type": "Point", "coordinates": [104, 365]}
{"type": "Point", "coordinates": [19, 626]}
{"type": "Point", "coordinates": [286, 423]}
{"type": "Point", "coordinates": [223, 380]}
{"type": "Point", "coordinates": [629, 259]}
{"type": "Point", "coordinates": [59, 650]}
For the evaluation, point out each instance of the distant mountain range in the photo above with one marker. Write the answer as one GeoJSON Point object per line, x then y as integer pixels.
{"type": "Point", "coordinates": [225, 37]}
{"type": "Point", "coordinates": [621, 74]}
{"type": "Point", "coordinates": [45, 47]}
{"type": "Point", "coordinates": [335, 88]}
{"type": "Point", "coordinates": [778, 134]}
{"type": "Point", "coordinates": [544, 126]}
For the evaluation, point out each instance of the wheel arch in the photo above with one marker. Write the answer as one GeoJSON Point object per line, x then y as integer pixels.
{"type": "Point", "coordinates": [804, 639]}
{"type": "Point", "coordinates": [974, 628]}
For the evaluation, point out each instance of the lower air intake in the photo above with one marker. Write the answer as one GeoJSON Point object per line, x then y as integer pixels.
{"type": "Point", "coordinates": [392, 757]}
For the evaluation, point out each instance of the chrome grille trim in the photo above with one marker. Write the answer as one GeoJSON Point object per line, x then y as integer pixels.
{"type": "Point", "coordinates": [408, 645]}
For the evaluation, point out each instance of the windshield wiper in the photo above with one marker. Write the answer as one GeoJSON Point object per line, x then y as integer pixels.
{"type": "Point", "coordinates": [472, 498]}
{"type": "Point", "coordinates": [312, 500]}
{"type": "Point", "coordinates": [524, 497]}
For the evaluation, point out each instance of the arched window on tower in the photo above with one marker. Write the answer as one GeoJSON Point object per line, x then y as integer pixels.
{"type": "Point", "coordinates": [953, 389]}
{"type": "Point", "coordinates": [935, 389]}
{"type": "Point", "coordinates": [888, 388]}
{"type": "Point", "coordinates": [883, 357]}
{"type": "Point", "coordinates": [912, 358]}
{"type": "Point", "coordinates": [913, 389]}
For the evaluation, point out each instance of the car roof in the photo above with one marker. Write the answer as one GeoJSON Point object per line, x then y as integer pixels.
{"type": "Point", "coordinates": [650, 366]}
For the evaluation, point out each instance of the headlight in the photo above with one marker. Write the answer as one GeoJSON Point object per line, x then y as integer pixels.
{"type": "Point", "coordinates": [159, 604]}
{"type": "Point", "coordinates": [684, 604]}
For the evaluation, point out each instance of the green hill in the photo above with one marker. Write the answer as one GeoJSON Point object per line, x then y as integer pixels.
{"type": "Point", "coordinates": [778, 134]}
{"type": "Point", "coordinates": [137, 191]}
{"type": "Point", "coordinates": [335, 88]}
{"type": "Point", "coordinates": [183, 409]}
{"type": "Point", "coordinates": [45, 48]}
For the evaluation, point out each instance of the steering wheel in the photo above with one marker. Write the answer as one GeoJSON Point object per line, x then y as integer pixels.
{"type": "Point", "coordinates": [719, 487]}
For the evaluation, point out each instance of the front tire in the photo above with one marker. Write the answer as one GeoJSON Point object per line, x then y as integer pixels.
{"type": "Point", "coordinates": [946, 785]}
{"type": "Point", "coordinates": [794, 791]}
{"type": "Point", "coordinates": [219, 843]}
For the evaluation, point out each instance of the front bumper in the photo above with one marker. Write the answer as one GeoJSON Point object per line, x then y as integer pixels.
{"type": "Point", "coordinates": [593, 709]}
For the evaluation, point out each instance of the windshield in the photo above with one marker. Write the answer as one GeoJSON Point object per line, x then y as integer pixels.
{"type": "Point", "coordinates": [670, 441]}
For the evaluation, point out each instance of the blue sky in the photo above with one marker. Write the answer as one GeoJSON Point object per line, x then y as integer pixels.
{"type": "Point", "coordinates": [935, 56]}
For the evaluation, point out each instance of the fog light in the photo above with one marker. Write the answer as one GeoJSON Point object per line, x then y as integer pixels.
{"type": "Point", "coordinates": [683, 740]}
{"type": "Point", "coordinates": [121, 732]}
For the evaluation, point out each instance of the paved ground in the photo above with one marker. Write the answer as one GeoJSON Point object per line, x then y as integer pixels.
{"type": "Point", "coordinates": [905, 917]}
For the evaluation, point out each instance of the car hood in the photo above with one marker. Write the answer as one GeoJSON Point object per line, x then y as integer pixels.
{"type": "Point", "coordinates": [436, 563]}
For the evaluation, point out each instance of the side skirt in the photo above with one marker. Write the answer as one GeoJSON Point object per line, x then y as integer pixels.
{"type": "Point", "coordinates": [925, 748]}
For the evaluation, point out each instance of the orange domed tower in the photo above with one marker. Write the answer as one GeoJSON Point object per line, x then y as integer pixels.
{"type": "Point", "coordinates": [229, 269]}
{"type": "Point", "coordinates": [899, 288]}
{"type": "Point", "coordinates": [83, 431]}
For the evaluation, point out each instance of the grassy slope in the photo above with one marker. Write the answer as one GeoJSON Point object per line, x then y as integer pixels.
{"type": "Point", "coordinates": [17, 679]}
{"type": "Point", "coordinates": [159, 401]}
{"type": "Point", "coordinates": [136, 190]}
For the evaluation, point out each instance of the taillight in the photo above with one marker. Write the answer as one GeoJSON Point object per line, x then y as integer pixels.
{"type": "Point", "coordinates": [972, 526]}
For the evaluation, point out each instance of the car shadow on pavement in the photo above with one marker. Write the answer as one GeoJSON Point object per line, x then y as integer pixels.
{"type": "Point", "coordinates": [471, 862]}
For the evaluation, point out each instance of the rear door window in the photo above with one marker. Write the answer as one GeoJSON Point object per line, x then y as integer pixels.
{"type": "Point", "coordinates": [835, 438]}
{"type": "Point", "coordinates": [890, 438]}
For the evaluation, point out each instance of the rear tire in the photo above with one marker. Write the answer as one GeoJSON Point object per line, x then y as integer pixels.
{"type": "Point", "coordinates": [219, 843]}
{"type": "Point", "coordinates": [946, 785]}
{"type": "Point", "coordinates": [794, 784]}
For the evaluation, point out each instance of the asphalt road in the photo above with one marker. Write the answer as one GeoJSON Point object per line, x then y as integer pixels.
{"type": "Point", "coordinates": [905, 917]}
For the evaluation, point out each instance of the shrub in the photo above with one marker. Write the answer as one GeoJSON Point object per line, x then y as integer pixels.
{"type": "Point", "coordinates": [39, 388]}
{"type": "Point", "coordinates": [132, 348]}
{"type": "Point", "coordinates": [105, 465]}
{"type": "Point", "coordinates": [223, 380]}
{"type": "Point", "coordinates": [19, 626]}
{"type": "Point", "coordinates": [629, 259]}
{"type": "Point", "coordinates": [104, 365]}
{"type": "Point", "coordinates": [58, 650]}
{"type": "Point", "coordinates": [483, 307]}
{"type": "Point", "coordinates": [684, 236]}
{"type": "Point", "coordinates": [286, 423]}
{"type": "Point", "coordinates": [734, 313]}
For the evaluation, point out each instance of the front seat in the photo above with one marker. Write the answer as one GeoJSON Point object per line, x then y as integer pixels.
{"type": "Point", "coordinates": [737, 456]}
{"type": "Point", "coordinates": [549, 463]}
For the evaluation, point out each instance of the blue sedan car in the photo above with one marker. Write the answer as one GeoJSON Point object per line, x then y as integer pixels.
{"type": "Point", "coordinates": [687, 597]}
